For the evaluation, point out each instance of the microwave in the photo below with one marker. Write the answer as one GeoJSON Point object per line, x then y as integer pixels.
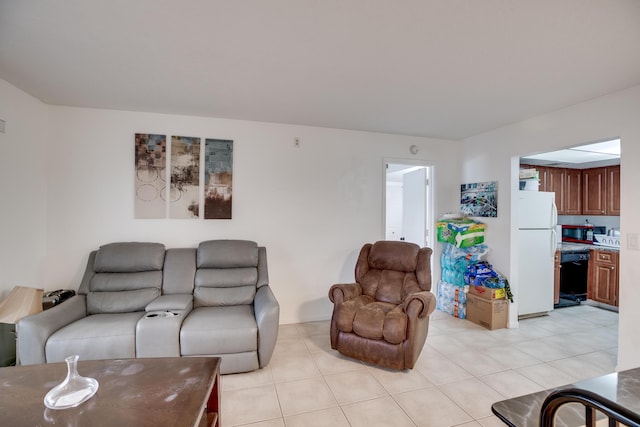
{"type": "Point", "coordinates": [578, 233]}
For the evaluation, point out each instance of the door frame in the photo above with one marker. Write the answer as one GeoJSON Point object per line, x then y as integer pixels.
{"type": "Point", "coordinates": [430, 197]}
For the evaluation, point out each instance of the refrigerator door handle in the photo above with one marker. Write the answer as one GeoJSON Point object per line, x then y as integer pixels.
{"type": "Point", "coordinates": [554, 243]}
{"type": "Point", "coordinates": [554, 213]}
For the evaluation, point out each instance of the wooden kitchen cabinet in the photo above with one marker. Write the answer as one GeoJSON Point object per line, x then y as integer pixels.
{"type": "Point", "coordinates": [613, 190]}
{"type": "Point", "coordinates": [594, 197]}
{"type": "Point", "coordinates": [603, 277]}
{"type": "Point", "coordinates": [601, 191]}
{"type": "Point", "coordinates": [556, 277]}
{"type": "Point", "coordinates": [553, 180]}
{"type": "Point", "coordinates": [594, 191]}
{"type": "Point", "coordinates": [572, 195]}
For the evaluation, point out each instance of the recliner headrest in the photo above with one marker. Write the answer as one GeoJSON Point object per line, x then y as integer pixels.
{"type": "Point", "coordinates": [227, 254]}
{"type": "Point", "coordinates": [129, 257]}
{"type": "Point", "coordinates": [393, 255]}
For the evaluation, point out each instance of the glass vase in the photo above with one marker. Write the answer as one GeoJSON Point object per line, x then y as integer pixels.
{"type": "Point", "coordinates": [73, 391]}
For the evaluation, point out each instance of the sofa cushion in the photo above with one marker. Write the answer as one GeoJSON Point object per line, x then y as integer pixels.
{"type": "Point", "coordinates": [126, 257]}
{"type": "Point", "coordinates": [121, 302]}
{"type": "Point", "coordinates": [115, 282]}
{"type": "Point", "coordinates": [380, 320]}
{"type": "Point", "coordinates": [227, 254]}
{"type": "Point", "coordinates": [100, 336]}
{"type": "Point", "coordinates": [225, 286]}
{"type": "Point", "coordinates": [179, 271]}
{"type": "Point", "coordinates": [227, 273]}
{"type": "Point", "coordinates": [127, 276]}
{"type": "Point", "coordinates": [219, 330]}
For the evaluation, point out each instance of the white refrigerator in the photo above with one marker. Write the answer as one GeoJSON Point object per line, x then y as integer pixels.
{"type": "Point", "coordinates": [537, 243]}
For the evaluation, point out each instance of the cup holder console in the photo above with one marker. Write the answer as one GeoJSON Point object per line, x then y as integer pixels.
{"type": "Point", "coordinates": [161, 314]}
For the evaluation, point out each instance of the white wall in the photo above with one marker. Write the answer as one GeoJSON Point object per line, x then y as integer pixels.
{"type": "Point", "coordinates": [312, 207]}
{"type": "Point", "coordinates": [493, 156]}
{"type": "Point", "coordinates": [23, 189]}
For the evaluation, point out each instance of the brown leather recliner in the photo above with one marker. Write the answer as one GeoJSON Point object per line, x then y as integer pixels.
{"type": "Point", "coordinates": [383, 318]}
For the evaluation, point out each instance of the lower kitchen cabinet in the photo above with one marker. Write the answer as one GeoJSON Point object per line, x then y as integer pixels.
{"type": "Point", "coordinates": [603, 277]}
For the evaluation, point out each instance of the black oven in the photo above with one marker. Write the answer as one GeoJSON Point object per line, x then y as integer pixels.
{"type": "Point", "coordinates": [574, 266]}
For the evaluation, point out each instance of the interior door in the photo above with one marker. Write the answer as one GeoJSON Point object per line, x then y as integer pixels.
{"type": "Point", "coordinates": [414, 207]}
{"type": "Point", "coordinates": [408, 202]}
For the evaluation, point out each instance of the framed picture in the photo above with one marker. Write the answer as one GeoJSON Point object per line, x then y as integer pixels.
{"type": "Point", "coordinates": [479, 199]}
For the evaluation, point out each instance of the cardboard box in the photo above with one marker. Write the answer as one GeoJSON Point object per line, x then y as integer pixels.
{"type": "Point", "coordinates": [488, 293]}
{"type": "Point", "coordinates": [492, 314]}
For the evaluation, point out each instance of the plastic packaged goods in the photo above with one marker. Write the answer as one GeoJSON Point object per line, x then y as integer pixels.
{"type": "Point", "coordinates": [478, 274]}
{"type": "Point", "coordinates": [461, 257]}
{"type": "Point", "coordinates": [451, 299]}
{"type": "Point", "coordinates": [455, 261]}
{"type": "Point", "coordinates": [462, 233]}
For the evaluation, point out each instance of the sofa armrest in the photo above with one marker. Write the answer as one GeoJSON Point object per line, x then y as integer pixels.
{"type": "Point", "coordinates": [34, 331]}
{"type": "Point", "coordinates": [181, 302]}
{"type": "Point", "coordinates": [419, 304]}
{"type": "Point", "coordinates": [267, 312]}
{"type": "Point", "coordinates": [342, 292]}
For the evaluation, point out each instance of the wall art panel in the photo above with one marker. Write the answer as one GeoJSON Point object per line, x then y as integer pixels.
{"type": "Point", "coordinates": [218, 176]}
{"type": "Point", "coordinates": [184, 189]}
{"type": "Point", "coordinates": [150, 179]}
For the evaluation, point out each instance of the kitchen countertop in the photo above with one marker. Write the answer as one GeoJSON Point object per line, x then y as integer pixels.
{"type": "Point", "coordinates": [570, 246]}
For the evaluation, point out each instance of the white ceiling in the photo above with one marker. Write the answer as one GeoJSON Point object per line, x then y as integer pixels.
{"type": "Point", "coordinates": [438, 68]}
{"type": "Point", "coordinates": [604, 153]}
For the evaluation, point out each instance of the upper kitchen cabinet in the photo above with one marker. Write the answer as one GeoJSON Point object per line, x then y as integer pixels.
{"type": "Point", "coordinates": [566, 183]}
{"type": "Point", "coordinates": [593, 191]}
{"type": "Point", "coordinates": [601, 191]}
{"type": "Point", "coordinates": [594, 194]}
{"type": "Point", "coordinates": [585, 178]}
{"type": "Point", "coordinates": [572, 185]}
{"type": "Point", "coordinates": [613, 190]}
{"type": "Point", "coordinates": [554, 182]}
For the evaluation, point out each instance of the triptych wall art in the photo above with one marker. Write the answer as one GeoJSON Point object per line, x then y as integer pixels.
{"type": "Point", "coordinates": [182, 197]}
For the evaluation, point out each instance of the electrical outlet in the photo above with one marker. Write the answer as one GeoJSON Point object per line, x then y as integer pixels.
{"type": "Point", "coordinates": [296, 142]}
{"type": "Point", "coordinates": [632, 241]}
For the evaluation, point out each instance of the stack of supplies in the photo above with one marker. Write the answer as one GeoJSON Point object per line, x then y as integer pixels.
{"type": "Point", "coordinates": [451, 293]}
{"type": "Point", "coordinates": [487, 298]}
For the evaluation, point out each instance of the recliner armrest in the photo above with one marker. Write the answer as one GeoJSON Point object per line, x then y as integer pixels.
{"type": "Point", "coordinates": [267, 312]}
{"type": "Point", "coordinates": [34, 331]}
{"type": "Point", "coordinates": [182, 302]}
{"type": "Point", "coordinates": [424, 303]}
{"type": "Point", "coordinates": [344, 291]}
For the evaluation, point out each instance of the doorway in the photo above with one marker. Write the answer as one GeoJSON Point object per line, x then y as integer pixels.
{"type": "Point", "coordinates": [408, 201]}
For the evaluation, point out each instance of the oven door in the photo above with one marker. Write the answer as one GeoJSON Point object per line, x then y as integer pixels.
{"type": "Point", "coordinates": [574, 269]}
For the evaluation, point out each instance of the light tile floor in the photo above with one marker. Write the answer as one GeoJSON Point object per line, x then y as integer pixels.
{"type": "Point", "coordinates": [462, 370]}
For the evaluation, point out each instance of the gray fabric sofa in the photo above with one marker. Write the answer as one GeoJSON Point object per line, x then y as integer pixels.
{"type": "Point", "coordinates": [143, 300]}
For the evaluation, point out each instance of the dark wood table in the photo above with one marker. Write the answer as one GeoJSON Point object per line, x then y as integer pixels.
{"type": "Point", "coordinates": [173, 391]}
{"type": "Point", "coordinates": [619, 390]}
